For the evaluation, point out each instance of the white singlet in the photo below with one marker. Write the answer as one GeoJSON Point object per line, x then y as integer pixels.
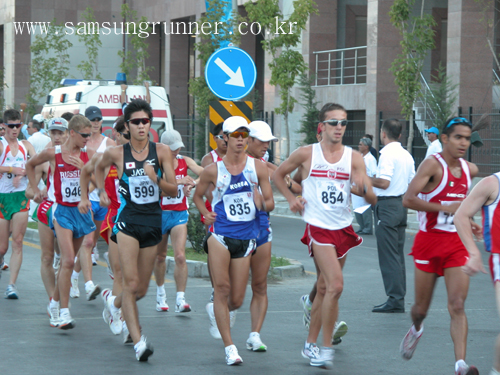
{"type": "Point", "coordinates": [8, 160]}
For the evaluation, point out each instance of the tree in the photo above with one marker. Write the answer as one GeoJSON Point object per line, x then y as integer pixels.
{"type": "Point", "coordinates": [281, 37]}
{"type": "Point", "coordinates": [309, 123]}
{"type": "Point", "coordinates": [50, 63]}
{"type": "Point", "coordinates": [417, 40]}
{"type": "Point", "coordinates": [92, 42]}
{"type": "Point", "coordinates": [136, 59]}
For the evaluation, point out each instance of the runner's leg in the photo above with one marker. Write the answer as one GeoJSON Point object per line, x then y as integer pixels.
{"type": "Point", "coordinates": [259, 263]}
{"type": "Point", "coordinates": [47, 242]}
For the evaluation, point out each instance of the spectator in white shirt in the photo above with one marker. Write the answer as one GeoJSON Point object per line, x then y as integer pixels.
{"type": "Point", "coordinates": [435, 146]}
{"type": "Point", "coordinates": [37, 139]}
{"type": "Point", "coordinates": [396, 169]}
{"type": "Point", "coordinates": [365, 219]}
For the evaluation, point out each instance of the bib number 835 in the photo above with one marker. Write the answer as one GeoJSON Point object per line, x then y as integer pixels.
{"type": "Point", "coordinates": [331, 197]}
{"type": "Point", "coordinates": [239, 209]}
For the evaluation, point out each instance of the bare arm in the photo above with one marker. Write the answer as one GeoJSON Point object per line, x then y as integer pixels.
{"type": "Point", "coordinates": [109, 157]}
{"type": "Point", "coordinates": [191, 164]}
{"type": "Point", "coordinates": [40, 170]}
{"type": "Point", "coordinates": [87, 171]}
{"type": "Point", "coordinates": [207, 160]}
{"type": "Point", "coordinates": [46, 155]}
{"type": "Point", "coordinates": [380, 183]}
{"type": "Point", "coordinates": [361, 179]}
{"type": "Point", "coordinates": [207, 179]}
{"type": "Point", "coordinates": [148, 94]}
{"type": "Point", "coordinates": [123, 95]}
{"type": "Point", "coordinates": [264, 202]}
{"type": "Point", "coordinates": [168, 183]}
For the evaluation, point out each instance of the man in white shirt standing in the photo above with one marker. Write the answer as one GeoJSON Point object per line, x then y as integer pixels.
{"type": "Point", "coordinates": [435, 146]}
{"type": "Point", "coordinates": [37, 139]}
{"type": "Point", "coordinates": [365, 219]}
{"type": "Point", "coordinates": [396, 169]}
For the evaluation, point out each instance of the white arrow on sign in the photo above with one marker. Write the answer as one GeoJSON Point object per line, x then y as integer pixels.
{"type": "Point", "coordinates": [236, 78]}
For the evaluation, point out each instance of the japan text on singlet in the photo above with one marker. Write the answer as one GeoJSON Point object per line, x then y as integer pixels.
{"type": "Point", "coordinates": [491, 223]}
{"type": "Point", "coordinates": [233, 202]}
{"type": "Point", "coordinates": [140, 197]}
{"type": "Point", "coordinates": [67, 188]}
{"type": "Point", "coordinates": [327, 191]}
{"type": "Point", "coordinates": [450, 190]}
{"type": "Point", "coordinates": [9, 160]}
{"type": "Point", "coordinates": [178, 203]}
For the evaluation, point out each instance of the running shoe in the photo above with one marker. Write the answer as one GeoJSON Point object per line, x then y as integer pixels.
{"type": "Point", "coordinates": [212, 295]}
{"type": "Point", "coordinates": [161, 302]}
{"type": "Point", "coordinates": [106, 315]}
{"type": "Point", "coordinates": [57, 263]}
{"type": "Point", "coordinates": [110, 271]}
{"type": "Point", "coordinates": [214, 331]}
{"type": "Point", "coordinates": [182, 306]}
{"type": "Point", "coordinates": [324, 359]}
{"type": "Point", "coordinates": [11, 292]}
{"type": "Point", "coordinates": [143, 350]}
{"type": "Point", "coordinates": [54, 315]}
{"type": "Point", "coordinates": [409, 343]}
{"type": "Point", "coordinates": [339, 331]}
{"type": "Point", "coordinates": [4, 266]}
{"type": "Point", "coordinates": [464, 369]}
{"type": "Point", "coordinates": [306, 319]}
{"type": "Point", "coordinates": [74, 292]}
{"type": "Point", "coordinates": [66, 321]}
{"type": "Point", "coordinates": [92, 291]}
{"type": "Point", "coordinates": [232, 318]}
{"type": "Point", "coordinates": [232, 356]}
{"type": "Point", "coordinates": [255, 344]}
{"type": "Point", "coordinates": [115, 319]}
{"type": "Point", "coordinates": [310, 351]}
{"type": "Point", "coordinates": [127, 339]}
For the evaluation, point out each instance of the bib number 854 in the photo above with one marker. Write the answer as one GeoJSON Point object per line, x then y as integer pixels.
{"type": "Point", "coordinates": [331, 197]}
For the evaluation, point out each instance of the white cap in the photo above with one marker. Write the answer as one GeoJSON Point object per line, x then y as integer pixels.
{"type": "Point", "coordinates": [262, 131]}
{"type": "Point", "coordinates": [233, 123]}
{"type": "Point", "coordinates": [58, 123]}
{"type": "Point", "coordinates": [172, 138]}
{"type": "Point", "coordinates": [38, 118]}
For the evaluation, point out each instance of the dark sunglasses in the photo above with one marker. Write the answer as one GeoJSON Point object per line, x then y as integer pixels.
{"type": "Point", "coordinates": [97, 119]}
{"type": "Point", "coordinates": [238, 134]}
{"type": "Point", "coordinates": [137, 121]}
{"type": "Point", "coordinates": [459, 120]}
{"type": "Point", "coordinates": [84, 135]}
{"type": "Point", "coordinates": [335, 122]}
{"type": "Point", "coordinates": [221, 137]}
{"type": "Point", "coordinates": [125, 135]}
{"type": "Point", "coordinates": [12, 126]}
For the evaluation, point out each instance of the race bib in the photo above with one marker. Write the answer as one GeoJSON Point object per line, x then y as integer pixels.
{"type": "Point", "coordinates": [330, 196]}
{"type": "Point", "coordinates": [143, 190]}
{"type": "Point", "coordinates": [239, 207]}
{"type": "Point", "coordinates": [445, 219]}
{"type": "Point", "coordinates": [70, 190]}
{"type": "Point", "coordinates": [175, 200]}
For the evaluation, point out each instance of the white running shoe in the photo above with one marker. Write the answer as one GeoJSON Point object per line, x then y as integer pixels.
{"type": "Point", "coordinates": [306, 319]}
{"type": "Point", "coordinates": [232, 356]}
{"type": "Point", "coordinates": [143, 350]}
{"type": "Point", "coordinates": [310, 351]}
{"type": "Point", "coordinates": [92, 291]}
{"type": "Point", "coordinates": [74, 292]}
{"type": "Point", "coordinates": [254, 343]}
{"type": "Point", "coordinates": [57, 263]}
{"type": "Point", "coordinates": [4, 266]}
{"type": "Point", "coordinates": [409, 343]}
{"type": "Point", "coordinates": [325, 358]}
{"type": "Point", "coordinates": [115, 320]}
{"type": "Point", "coordinates": [66, 321]}
{"type": "Point", "coordinates": [110, 270]}
{"type": "Point", "coordinates": [127, 339]}
{"type": "Point", "coordinates": [464, 369]}
{"type": "Point", "coordinates": [214, 331]}
{"type": "Point", "coordinates": [106, 315]}
{"type": "Point", "coordinates": [339, 331]}
{"type": "Point", "coordinates": [182, 306]}
{"type": "Point", "coordinates": [161, 302]}
{"type": "Point", "coordinates": [232, 318]}
{"type": "Point", "coordinates": [54, 315]}
{"type": "Point", "coordinates": [11, 292]}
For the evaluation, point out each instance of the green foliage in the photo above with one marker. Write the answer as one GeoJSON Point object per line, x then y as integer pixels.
{"type": "Point", "coordinates": [287, 64]}
{"type": "Point", "coordinates": [135, 59]}
{"type": "Point", "coordinates": [50, 63]}
{"type": "Point", "coordinates": [92, 42]}
{"type": "Point", "coordinates": [279, 261]}
{"type": "Point", "coordinates": [442, 97]}
{"type": "Point", "coordinates": [309, 123]}
{"type": "Point", "coordinates": [418, 40]}
{"type": "Point", "coordinates": [195, 229]}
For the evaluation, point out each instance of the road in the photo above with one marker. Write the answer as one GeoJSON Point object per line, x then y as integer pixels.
{"type": "Point", "coordinates": [183, 345]}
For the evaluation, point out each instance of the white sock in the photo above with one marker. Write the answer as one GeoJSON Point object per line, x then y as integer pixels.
{"type": "Point", "coordinates": [64, 311]}
{"type": "Point", "coordinates": [254, 334]}
{"type": "Point", "coordinates": [111, 300]}
{"type": "Point", "coordinates": [75, 275]}
{"type": "Point", "coordinates": [227, 348]}
{"type": "Point", "coordinates": [458, 363]}
{"type": "Point", "coordinates": [180, 295]}
{"type": "Point", "coordinates": [414, 330]}
{"type": "Point", "coordinates": [89, 284]}
{"type": "Point", "coordinates": [160, 290]}
{"type": "Point", "coordinates": [57, 255]}
{"type": "Point", "coordinates": [54, 303]}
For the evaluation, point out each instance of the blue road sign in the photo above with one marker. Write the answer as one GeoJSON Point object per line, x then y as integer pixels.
{"type": "Point", "coordinates": [230, 73]}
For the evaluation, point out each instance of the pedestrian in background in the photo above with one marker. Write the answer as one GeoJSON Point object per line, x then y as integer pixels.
{"type": "Point", "coordinates": [435, 146]}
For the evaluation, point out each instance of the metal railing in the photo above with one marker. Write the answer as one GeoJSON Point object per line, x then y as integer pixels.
{"type": "Point", "coordinates": [346, 66]}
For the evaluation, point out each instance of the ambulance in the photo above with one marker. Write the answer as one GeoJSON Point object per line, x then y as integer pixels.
{"type": "Point", "coordinates": [76, 95]}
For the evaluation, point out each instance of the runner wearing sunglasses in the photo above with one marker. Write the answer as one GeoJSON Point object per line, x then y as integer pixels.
{"type": "Point", "coordinates": [14, 205]}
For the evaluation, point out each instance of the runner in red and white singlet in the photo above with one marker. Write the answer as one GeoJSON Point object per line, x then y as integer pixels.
{"type": "Point", "coordinates": [437, 190]}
